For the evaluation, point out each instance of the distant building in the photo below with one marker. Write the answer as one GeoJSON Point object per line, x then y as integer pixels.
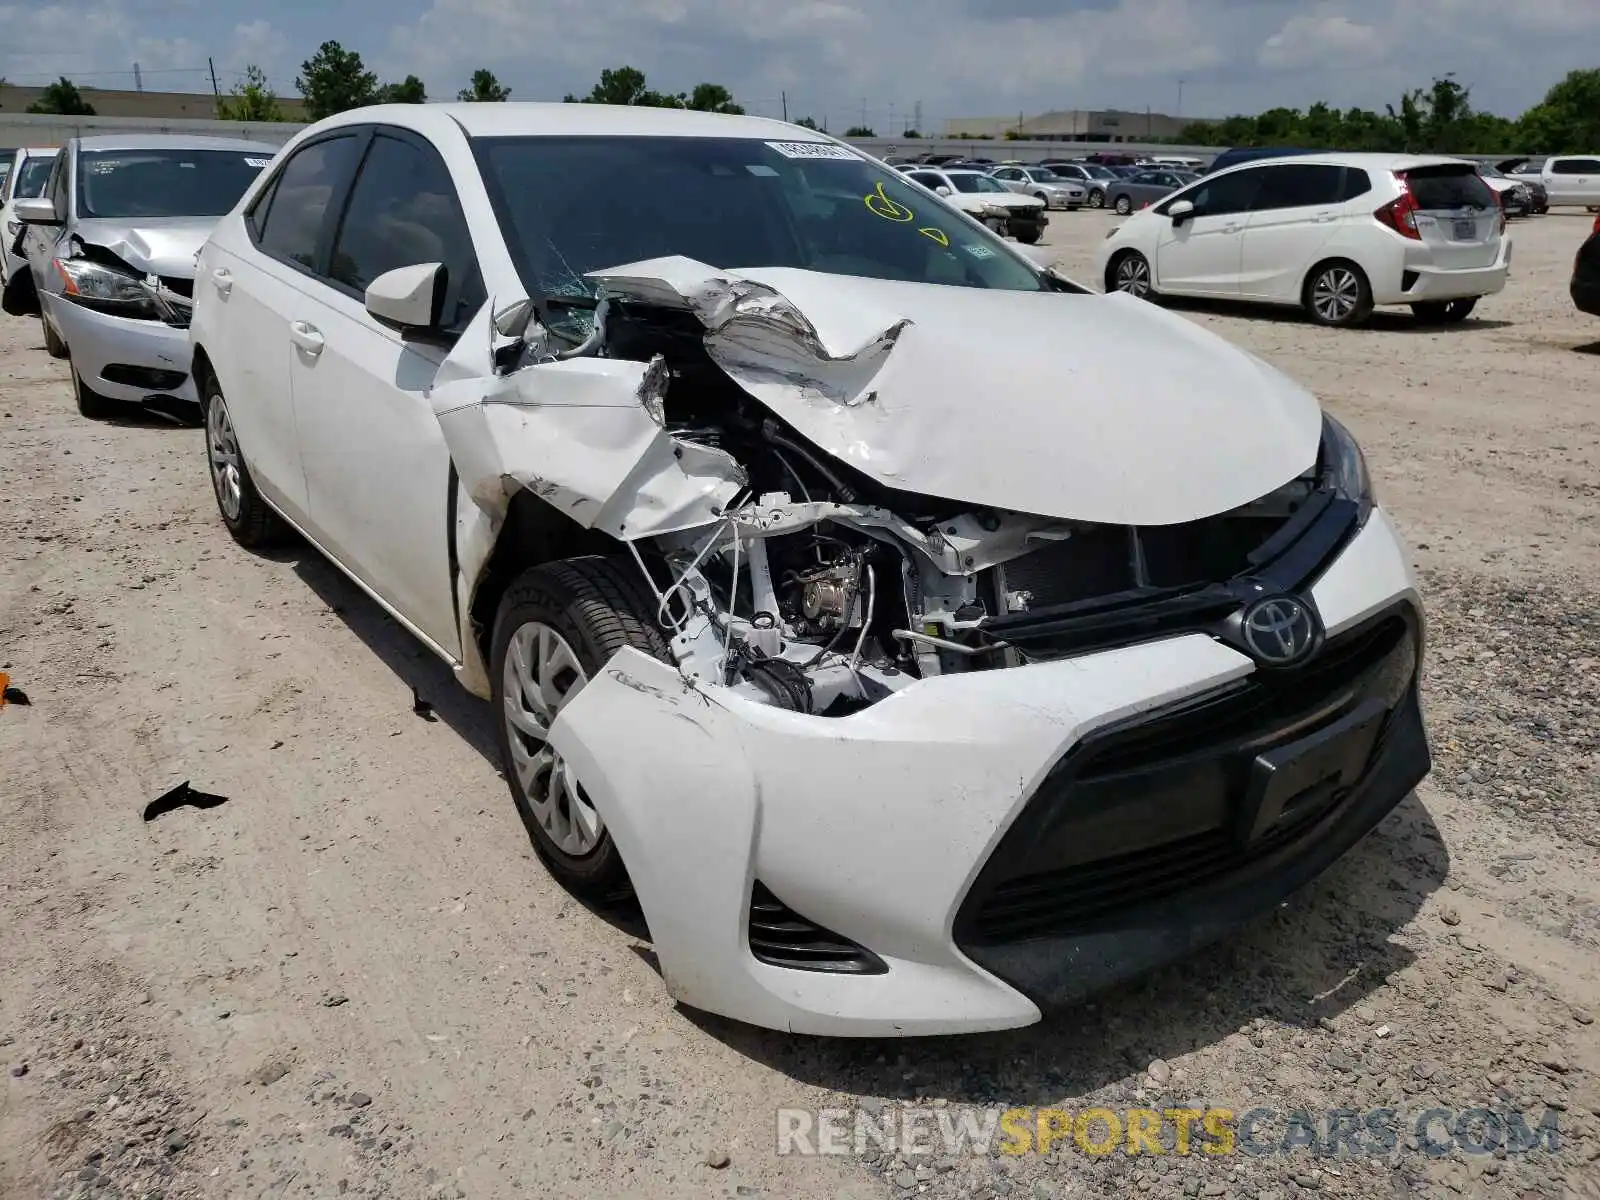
{"type": "Point", "coordinates": [1074, 125]}
{"type": "Point", "coordinates": [108, 102]}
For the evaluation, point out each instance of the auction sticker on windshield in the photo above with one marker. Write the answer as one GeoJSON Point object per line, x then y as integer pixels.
{"type": "Point", "coordinates": [813, 150]}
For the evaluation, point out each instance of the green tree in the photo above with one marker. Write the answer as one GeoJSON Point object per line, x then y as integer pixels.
{"type": "Point", "coordinates": [335, 80]}
{"type": "Point", "coordinates": [409, 90]}
{"type": "Point", "coordinates": [252, 100]}
{"type": "Point", "coordinates": [859, 131]}
{"type": "Point", "coordinates": [485, 88]}
{"type": "Point", "coordinates": [1567, 120]}
{"type": "Point", "coordinates": [712, 97]}
{"type": "Point", "coordinates": [807, 123]}
{"type": "Point", "coordinates": [62, 98]}
{"type": "Point", "coordinates": [624, 85]}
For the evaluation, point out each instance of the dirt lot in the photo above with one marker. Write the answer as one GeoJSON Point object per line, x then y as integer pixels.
{"type": "Point", "coordinates": [353, 978]}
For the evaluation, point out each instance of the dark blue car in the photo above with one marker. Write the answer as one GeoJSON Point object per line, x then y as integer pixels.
{"type": "Point", "coordinates": [1243, 154]}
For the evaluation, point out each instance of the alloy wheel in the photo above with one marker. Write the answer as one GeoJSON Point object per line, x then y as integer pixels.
{"type": "Point", "coordinates": [1133, 276]}
{"type": "Point", "coordinates": [1336, 294]}
{"type": "Point", "coordinates": [542, 673]}
{"type": "Point", "coordinates": [1097, 199]}
{"type": "Point", "coordinates": [1124, 206]}
{"type": "Point", "coordinates": [224, 453]}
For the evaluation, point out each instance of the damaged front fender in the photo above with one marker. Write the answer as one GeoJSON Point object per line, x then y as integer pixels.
{"type": "Point", "coordinates": [583, 435]}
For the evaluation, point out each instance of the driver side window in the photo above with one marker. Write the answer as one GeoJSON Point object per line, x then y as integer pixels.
{"type": "Point", "coordinates": [1223, 195]}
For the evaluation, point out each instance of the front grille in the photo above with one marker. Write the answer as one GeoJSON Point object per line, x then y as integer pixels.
{"type": "Point", "coordinates": [1146, 813]}
{"type": "Point", "coordinates": [781, 937]}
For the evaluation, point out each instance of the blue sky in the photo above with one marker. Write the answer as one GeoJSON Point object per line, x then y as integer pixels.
{"type": "Point", "coordinates": [834, 57]}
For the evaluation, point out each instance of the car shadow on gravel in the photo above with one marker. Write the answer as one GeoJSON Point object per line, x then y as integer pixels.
{"type": "Point", "coordinates": [1328, 949]}
{"type": "Point", "coordinates": [1382, 320]}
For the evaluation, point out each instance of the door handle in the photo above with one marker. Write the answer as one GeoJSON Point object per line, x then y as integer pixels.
{"type": "Point", "coordinates": [1323, 218]}
{"type": "Point", "coordinates": [223, 280]}
{"type": "Point", "coordinates": [306, 337]}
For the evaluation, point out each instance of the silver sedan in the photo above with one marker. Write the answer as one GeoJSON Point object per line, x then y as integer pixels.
{"type": "Point", "coordinates": [1146, 187]}
{"type": "Point", "coordinates": [1043, 184]}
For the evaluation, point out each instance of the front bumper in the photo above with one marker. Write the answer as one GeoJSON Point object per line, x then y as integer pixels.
{"type": "Point", "coordinates": [879, 828]}
{"type": "Point", "coordinates": [121, 358]}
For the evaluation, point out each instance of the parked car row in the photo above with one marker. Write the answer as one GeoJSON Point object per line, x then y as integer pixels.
{"type": "Point", "coordinates": [688, 527]}
{"type": "Point", "coordinates": [986, 200]}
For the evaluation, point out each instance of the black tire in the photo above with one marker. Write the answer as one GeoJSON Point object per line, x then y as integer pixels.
{"type": "Point", "coordinates": [21, 296]}
{"type": "Point", "coordinates": [254, 525]}
{"type": "Point", "coordinates": [1347, 281]}
{"type": "Point", "coordinates": [1444, 312]}
{"type": "Point", "coordinates": [1124, 205]}
{"type": "Point", "coordinates": [597, 606]}
{"type": "Point", "coordinates": [1097, 198]}
{"type": "Point", "coordinates": [1124, 272]}
{"type": "Point", "coordinates": [53, 345]}
{"type": "Point", "coordinates": [91, 404]}
{"type": "Point", "coordinates": [1030, 235]}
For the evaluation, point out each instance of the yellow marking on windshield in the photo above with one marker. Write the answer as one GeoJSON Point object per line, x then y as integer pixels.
{"type": "Point", "coordinates": [937, 235]}
{"type": "Point", "coordinates": [878, 202]}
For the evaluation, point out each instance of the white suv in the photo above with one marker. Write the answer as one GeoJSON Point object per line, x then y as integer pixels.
{"type": "Point", "coordinates": [1336, 234]}
{"type": "Point", "coordinates": [1569, 178]}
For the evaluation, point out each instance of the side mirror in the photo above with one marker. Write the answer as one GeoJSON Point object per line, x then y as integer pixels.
{"type": "Point", "coordinates": [408, 298]}
{"type": "Point", "coordinates": [942, 190]}
{"type": "Point", "coordinates": [36, 210]}
{"type": "Point", "coordinates": [1181, 212]}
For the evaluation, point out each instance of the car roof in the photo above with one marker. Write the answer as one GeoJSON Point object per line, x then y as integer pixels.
{"type": "Point", "coordinates": [168, 141]}
{"type": "Point", "coordinates": [535, 119]}
{"type": "Point", "coordinates": [1371, 160]}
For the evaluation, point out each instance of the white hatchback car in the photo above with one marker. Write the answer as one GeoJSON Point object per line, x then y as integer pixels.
{"type": "Point", "coordinates": [903, 703]}
{"type": "Point", "coordinates": [1335, 234]}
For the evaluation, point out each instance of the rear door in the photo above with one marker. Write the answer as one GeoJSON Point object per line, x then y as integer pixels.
{"type": "Point", "coordinates": [1458, 215]}
{"type": "Point", "coordinates": [1573, 180]}
{"type": "Point", "coordinates": [1202, 254]}
{"type": "Point", "coordinates": [1295, 213]}
{"type": "Point", "coordinates": [253, 289]}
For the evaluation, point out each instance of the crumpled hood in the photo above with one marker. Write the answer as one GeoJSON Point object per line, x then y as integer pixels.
{"type": "Point", "coordinates": [153, 245]}
{"type": "Point", "coordinates": [1071, 406]}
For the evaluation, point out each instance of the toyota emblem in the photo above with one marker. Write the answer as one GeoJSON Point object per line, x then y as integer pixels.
{"type": "Point", "coordinates": [1279, 631]}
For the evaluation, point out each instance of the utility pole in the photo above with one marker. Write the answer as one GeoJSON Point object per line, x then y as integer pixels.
{"type": "Point", "coordinates": [138, 80]}
{"type": "Point", "coordinates": [1179, 113]}
{"type": "Point", "coordinates": [916, 119]}
{"type": "Point", "coordinates": [893, 128]}
{"type": "Point", "coordinates": [863, 112]}
{"type": "Point", "coordinates": [785, 96]}
{"type": "Point", "coordinates": [215, 90]}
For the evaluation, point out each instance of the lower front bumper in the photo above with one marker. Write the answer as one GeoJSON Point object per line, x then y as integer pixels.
{"type": "Point", "coordinates": [124, 359]}
{"type": "Point", "coordinates": [876, 827]}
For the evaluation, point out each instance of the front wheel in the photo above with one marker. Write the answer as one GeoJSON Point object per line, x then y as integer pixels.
{"type": "Point", "coordinates": [1029, 236]}
{"type": "Point", "coordinates": [91, 404]}
{"type": "Point", "coordinates": [1130, 272]}
{"type": "Point", "coordinates": [1338, 294]}
{"type": "Point", "coordinates": [1124, 205]}
{"type": "Point", "coordinates": [1444, 312]}
{"type": "Point", "coordinates": [557, 626]}
{"type": "Point", "coordinates": [1097, 198]}
{"type": "Point", "coordinates": [53, 345]}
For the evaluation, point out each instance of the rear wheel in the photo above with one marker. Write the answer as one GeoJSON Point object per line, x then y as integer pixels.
{"type": "Point", "coordinates": [1337, 293]}
{"type": "Point", "coordinates": [556, 627]}
{"type": "Point", "coordinates": [1444, 312]}
{"type": "Point", "coordinates": [244, 512]}
{"type": "Point", "coordinates": [1124, 205]}
{"type": "Point", "coordinates": [1130, 272]}
{"type": "Point", "coordinates": [53, 345]}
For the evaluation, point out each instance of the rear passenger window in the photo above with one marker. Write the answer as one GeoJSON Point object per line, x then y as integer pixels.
{"type": "Point", "coordinates": [403, 212]}
{"type": "Point", "coordinates": [1299, 186]}
{"type": "Point", "coordinates": [298, 208]}
{"type": "Point", "coordinates": [1576, 166]}
{"type": "Point", "coordinates": [1356, 183]}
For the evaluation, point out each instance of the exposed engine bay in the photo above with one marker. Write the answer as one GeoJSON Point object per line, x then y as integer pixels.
{"type": "Point", "coordinates": [787, 571]}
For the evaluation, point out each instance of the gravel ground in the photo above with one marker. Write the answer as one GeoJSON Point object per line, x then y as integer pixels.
{"type": "Point", "coordinates": [353, 979]}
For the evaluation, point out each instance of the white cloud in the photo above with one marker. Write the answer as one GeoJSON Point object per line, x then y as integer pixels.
{"type": "Point", "coordinates": [1306, 41]}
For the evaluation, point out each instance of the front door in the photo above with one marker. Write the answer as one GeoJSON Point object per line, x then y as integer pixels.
{"type": "Point", "coordinates": [1201, 254]}
{"type": "Point", "coordinates": [376, 464]}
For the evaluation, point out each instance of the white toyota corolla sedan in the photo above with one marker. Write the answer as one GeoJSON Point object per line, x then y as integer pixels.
{"type": "Point", "coordinates": [903, 701]}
